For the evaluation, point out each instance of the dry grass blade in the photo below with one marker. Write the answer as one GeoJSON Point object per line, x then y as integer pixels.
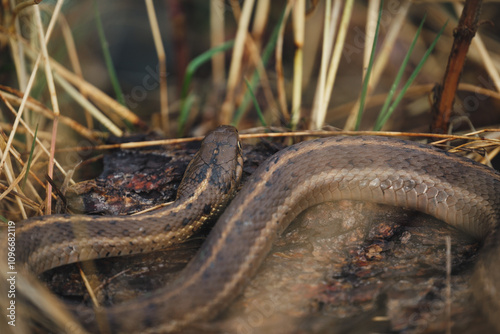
{"type": "Point", "coordinates": [227, 109]}
{"type": "Point", "coordinates": [262, 12]}
{"type": "Point", "coordinates": [75, 62]}
{"type": "Point", "coordinates": [46, 303]}
{"type": "Point", "coordinates": [414, 92]}
{"type": "Point", "coordinates": [95, 94]}
{"type": "Point", "coordinates": [162, 66]}
{"type": "Point", "coordinates": [298, 17]}
{"type": "Point", "coordinates": [354, 120]}
{"type": "Point", "coordinates": [31, 80]}
{"type": "Point", "coordinates": [487, 159]}
{"type": "Point", "coordinates": [21, 6]}
{"type": "Point", "coordinates": [317, 119]}
{"type": "Point", "coordinates": [17, 156]}
{"type": "Point", "coordinates": [388, 45]}
{"type": "Point", "coordinates": [318, 133]}
{"type": "Point", "coordinates": [217, 38]}
{"type": "Point", "coordinates": [30, 158]}
{"type": "Point", "coordinates": [280, 84]}
{"type": "Point", "coordinates": [14, 97]}
{"type": "Point", "coordinates": [254, 49]}
{"type": "Point", "coordinates": [329, 31]}
{"type": "Point", "coordinates": [370, 27]}
{"type": "Point", "coordinates": [382, 58]}
{"type": "Point", "coordinates": [337, 52]}
{"type": "Point", "coordinates": [78, 97]}
{"type": "Point", "coordinates": [20, 177]}
{"type": "Point", "coordinates": [487, 60]}
{"type": "Point", "coordinates": [55, 106]}
{"type": "Point", "coordinates": [31, 132]}
{"type": "Point", "coordinates": [9, 172]}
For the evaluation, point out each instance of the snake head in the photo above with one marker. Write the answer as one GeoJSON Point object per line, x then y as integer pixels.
{"type": "Point", "coordinates": [217, 167]}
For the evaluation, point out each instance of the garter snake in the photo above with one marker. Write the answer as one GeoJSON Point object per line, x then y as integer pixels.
{"type": "Point", "coordinates": [456, 190]}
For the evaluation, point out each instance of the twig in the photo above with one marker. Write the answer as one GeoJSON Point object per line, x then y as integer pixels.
{"type": "Point", "coordinates": [445, 95]}
{"type": "Point", "coordinates": [321, 133]}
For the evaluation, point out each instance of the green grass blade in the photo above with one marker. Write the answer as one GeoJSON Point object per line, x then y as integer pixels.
{"type": "Point", "coordinates": [266, 55]}
{"type": "Point", "coordinates": [369, 69]}
{"type": "Point", "coordinates": [5, 220]}
{"type": "Point", "coordinates": [186, 105]}
{"type": "Point", "coordinates": [107, 56]}
{"type": "Point", "coordinates": [190, 70]}
{"type": "Point", "coordinates": [413, 75]}
{"type": "Point", "coordinates": [256, 104]}
{"type": "Point", "coordinates": [383, 112]}
{"type": "Point", "coordinates": [200, 60]}
{"type": "Point", "coordinates": [30, 158]}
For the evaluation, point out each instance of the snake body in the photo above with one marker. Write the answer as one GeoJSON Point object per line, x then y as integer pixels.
{"type": "Point", "coordinates": [456, 190]}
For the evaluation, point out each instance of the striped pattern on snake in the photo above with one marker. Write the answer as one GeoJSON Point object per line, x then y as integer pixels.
{"type": "Point", "coordinates": [456, 190]}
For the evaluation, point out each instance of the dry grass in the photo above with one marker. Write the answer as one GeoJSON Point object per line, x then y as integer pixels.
{"type": "Point", "coordinates": [51, 79]}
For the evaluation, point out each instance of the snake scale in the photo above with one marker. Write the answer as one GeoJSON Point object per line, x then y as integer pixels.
{"type": "Point", "coordinates": [454, 189]}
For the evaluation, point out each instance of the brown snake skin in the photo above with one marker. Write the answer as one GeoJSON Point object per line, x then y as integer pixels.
{"type": "Point", "coordinates": [456, 190]}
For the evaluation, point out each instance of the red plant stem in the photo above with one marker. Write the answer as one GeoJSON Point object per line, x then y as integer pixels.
{"type": "Point", "coordinates": [445, 95]}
